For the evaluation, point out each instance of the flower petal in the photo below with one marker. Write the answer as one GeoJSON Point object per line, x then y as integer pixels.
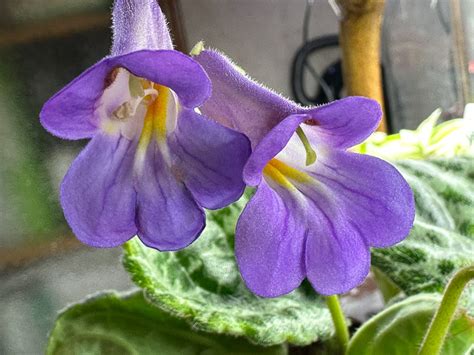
{"type": "Point", "coordinates": [139, 24]}
{"type": "Point", "coordinates": [336, 254]}
{"type": "Point", "coordinates": [210, 158]}
{"type": "Point", "coordinates": [179, 72]}
{"type": "Point", "coordinates": [97, 193]}
{"type": "Point", "coordinates": [168, 218]}
{"type": "Point", "coordinates": [348, 202]}
{"type": "Point", "coordinates": [71, 113]}
{"type": "Point", "coordinates": [375, 196]}
{"type": "Point", "coordinates": [344, 123]}
{"type": "Point", "coordinates": [269, 147]}
{"type": "Point", "coordinates": [239, 102]}
{"type": "Point", "coordinates": [337, 257]}
{"type": "Point", "coordinates": [269, 245]}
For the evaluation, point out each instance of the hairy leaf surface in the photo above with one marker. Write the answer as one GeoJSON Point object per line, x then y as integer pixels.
{"type": "Point", "coordinates": [113, 324]}
{"type": "Point", "coordinates": [202, 285]}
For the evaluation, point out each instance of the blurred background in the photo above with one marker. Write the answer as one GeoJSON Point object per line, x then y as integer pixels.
{"type": "Point", "coordinates": [290, 45]}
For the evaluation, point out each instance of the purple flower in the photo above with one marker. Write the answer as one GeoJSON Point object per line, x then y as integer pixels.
{"type": "Point", "coordinates": [318, 208]}
{"type": "Point", "coordinates": [153, 162]}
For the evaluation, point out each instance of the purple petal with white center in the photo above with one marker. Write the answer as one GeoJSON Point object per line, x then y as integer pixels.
{"type": "Point", "coordinates": [168, 217]}
{"type": "Point", "coordinates": [211, 158]}
{"type": "Point", "coordinates": [97, 193]}
{"type": "Point", "coordinates": [269, 244]}
{"type": "Point", "coordinates": [239, 102]}
{"type": "Point", "coordinates": [139, 24]}
{"type": "Point", "coordinates": [344, 203]}
{"type": "Point", "coordinates": [71, 113]}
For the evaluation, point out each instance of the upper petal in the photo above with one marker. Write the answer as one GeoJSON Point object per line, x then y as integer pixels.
{"type": "Point", "coordinates": [139, 24]}
{"type": "Point", "coordinates": [239, 102]}
{"type": "Point", "coordinates": [97, 193]}
{"type": "Point", "coordinates": [344, 123]}
{"type": "Point", "coordinates": [325, 127]}
{"type": "Point", "coordinates": [168, 217]}
{"type": "Point", "coordinates": [269, 244]}
{"type": "Point", "coordinates": [71, 113]}
{"type": "Point", "coordinates": [210, 158]}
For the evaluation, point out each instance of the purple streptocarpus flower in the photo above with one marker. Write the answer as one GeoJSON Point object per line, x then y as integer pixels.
{"type": "Point", "coordinates": [318, 208]}
{"type": "Point", "coordinates": [153, 162]}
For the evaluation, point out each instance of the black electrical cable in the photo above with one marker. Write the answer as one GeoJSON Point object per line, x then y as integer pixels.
{"type": "Point", "coordinates": [301, 62]}
{"type": "Point", "coordinates": [329, 92]}
{"type": "Point", "coordinates": [330, 82]}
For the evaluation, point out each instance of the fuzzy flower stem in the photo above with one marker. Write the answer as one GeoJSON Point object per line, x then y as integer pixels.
{"type": "Point", "coordinates": [339, 320]}
{"type": "Point", "coordinates": [434, 338]}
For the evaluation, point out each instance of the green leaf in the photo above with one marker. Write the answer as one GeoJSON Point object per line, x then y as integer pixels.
{"type": "Point", "coordinates": [442, 239]}
{"type": "Point", "coordinates": [448, 139]}
{"type": "Point", "coordinates": [386, 286]}
{"type": "Point", "coordinates": [400, 329]}
{"type": "Point", "coordinates": [202, 285]}
{"type": "Point", "coordinates": [451, 182]}
{"type": "Point", "coordinates": [114, 324]}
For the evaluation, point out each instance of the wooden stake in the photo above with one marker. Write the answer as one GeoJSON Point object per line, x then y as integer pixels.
{"type": "Point", "coordinates": [359, 36]}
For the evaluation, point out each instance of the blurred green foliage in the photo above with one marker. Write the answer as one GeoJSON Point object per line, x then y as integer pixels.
{"type": "Point", "coordinates": [34, 161]}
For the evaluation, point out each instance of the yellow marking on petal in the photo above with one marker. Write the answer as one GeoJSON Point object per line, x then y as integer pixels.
{"type": "Point", "coordinates": [147, 129]}
{"type": "Point", "coordinates": [276, 175]}
{"type": "Point", "coordinates": [155, 117]}
{"type": "Point", "coordinates": [161, 111]}
{"type": "Point", "coordinates": [290, 172]}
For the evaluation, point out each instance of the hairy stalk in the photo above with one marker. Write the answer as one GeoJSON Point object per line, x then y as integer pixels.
{"type": "Point", "coordinates": [434, 338]}
{"type": "Point", "coordinates": [339, 320]}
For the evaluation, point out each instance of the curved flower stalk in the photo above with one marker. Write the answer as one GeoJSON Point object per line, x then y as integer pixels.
{"type": "Point", "coordinates": [153, 162]}
{"type": "Point", "coordinates": [318, 208]}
